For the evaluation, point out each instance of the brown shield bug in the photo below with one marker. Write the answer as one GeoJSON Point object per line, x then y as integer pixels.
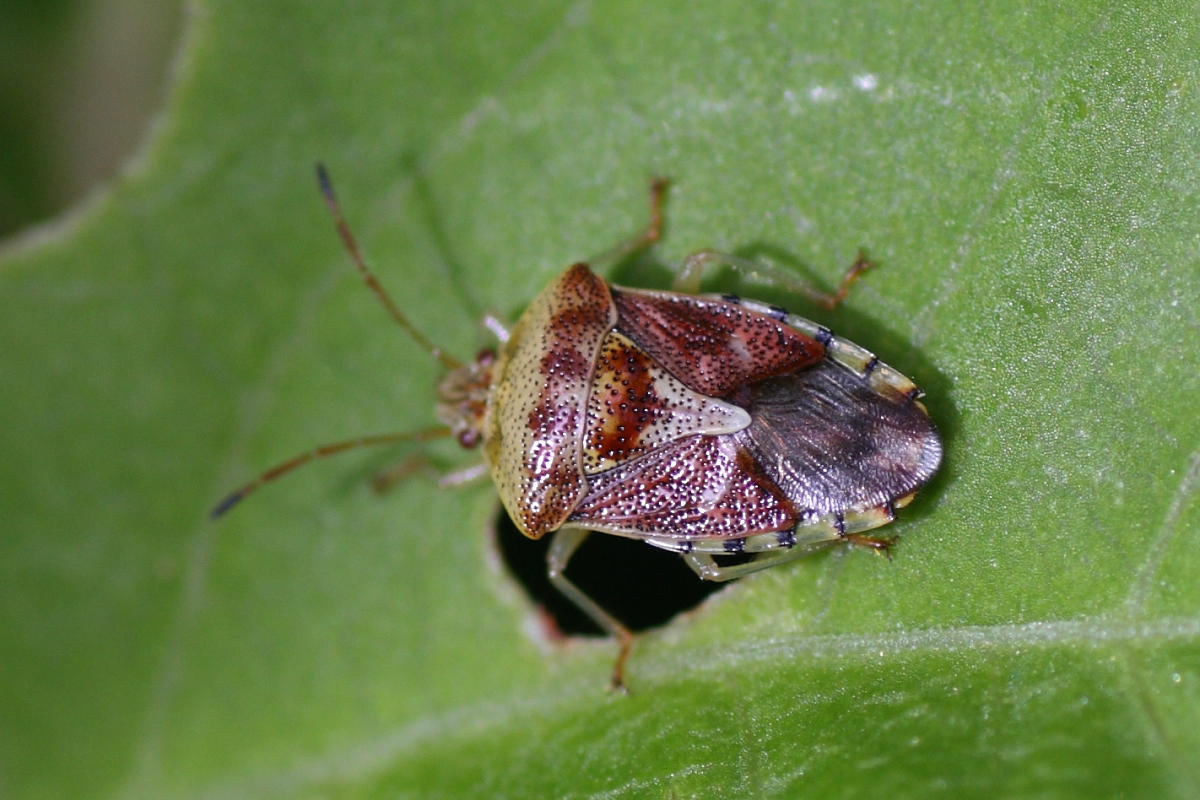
{"type": "Point", "coordinates": [706, 425]}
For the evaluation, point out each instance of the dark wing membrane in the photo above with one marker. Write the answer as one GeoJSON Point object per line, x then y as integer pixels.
{"type": "Point", "coordinates": [713, 346]}
{"type": "Point", "coordinates": [834, 444]}
{"type": "Point", "coordinates": [696, 487]}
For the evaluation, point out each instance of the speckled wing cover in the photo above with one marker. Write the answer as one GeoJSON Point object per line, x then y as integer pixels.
{"type": "Point", "coordinates": [712, 345]}
{"type": "Point", "coordinates": [819, 440]}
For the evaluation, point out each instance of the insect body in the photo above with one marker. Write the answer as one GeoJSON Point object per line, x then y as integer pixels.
{"type": "Point", "coordinates": [701, 424]}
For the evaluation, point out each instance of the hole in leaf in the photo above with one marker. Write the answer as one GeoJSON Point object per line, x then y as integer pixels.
{"type": "Point", "coordinates": [640, 585]}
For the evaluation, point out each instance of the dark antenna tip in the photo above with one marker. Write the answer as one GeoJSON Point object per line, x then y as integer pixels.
{"type": "Point", "coordinates": [324, 181]}
{"type": "Point", "coordinates": [226, 504]}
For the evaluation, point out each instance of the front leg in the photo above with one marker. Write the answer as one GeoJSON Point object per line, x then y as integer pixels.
{"type": "Point", "coordinates": [386, 480]}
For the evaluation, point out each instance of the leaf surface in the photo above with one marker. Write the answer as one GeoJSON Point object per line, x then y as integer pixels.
{"type": "Point", "coordinates": [1026, 175]}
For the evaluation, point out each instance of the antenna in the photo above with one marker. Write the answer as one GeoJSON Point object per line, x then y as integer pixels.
{"type": "Point", "coordinates": [323, 451]}
{"type": "Point", "coordinates": [447, 361]}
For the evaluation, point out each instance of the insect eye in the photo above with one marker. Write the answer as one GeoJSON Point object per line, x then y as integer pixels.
{"type": "Point", "coordinates": [485, 357]}
{"type": "Point", "coordinates": [469, 438]}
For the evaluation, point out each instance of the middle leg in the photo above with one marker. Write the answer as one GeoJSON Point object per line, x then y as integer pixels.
{"type": "Point", "coordinates": [688, 277]}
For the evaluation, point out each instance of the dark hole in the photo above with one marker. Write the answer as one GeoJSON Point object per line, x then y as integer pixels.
{"type": "Point", "coordinates": [640, 585]}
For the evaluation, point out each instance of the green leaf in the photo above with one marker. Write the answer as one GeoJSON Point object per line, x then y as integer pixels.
{"type": "Point", "coordinates": [1027, 176]}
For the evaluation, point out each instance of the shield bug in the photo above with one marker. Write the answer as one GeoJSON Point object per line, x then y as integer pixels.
{"type": "Point", "coordinates": [706, 425]}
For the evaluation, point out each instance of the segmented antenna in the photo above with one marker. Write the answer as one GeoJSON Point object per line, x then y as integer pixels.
{"type": "Point", "coordinates": [448, 361]}
{"type": "Point", "coordinates": [233, 498]}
